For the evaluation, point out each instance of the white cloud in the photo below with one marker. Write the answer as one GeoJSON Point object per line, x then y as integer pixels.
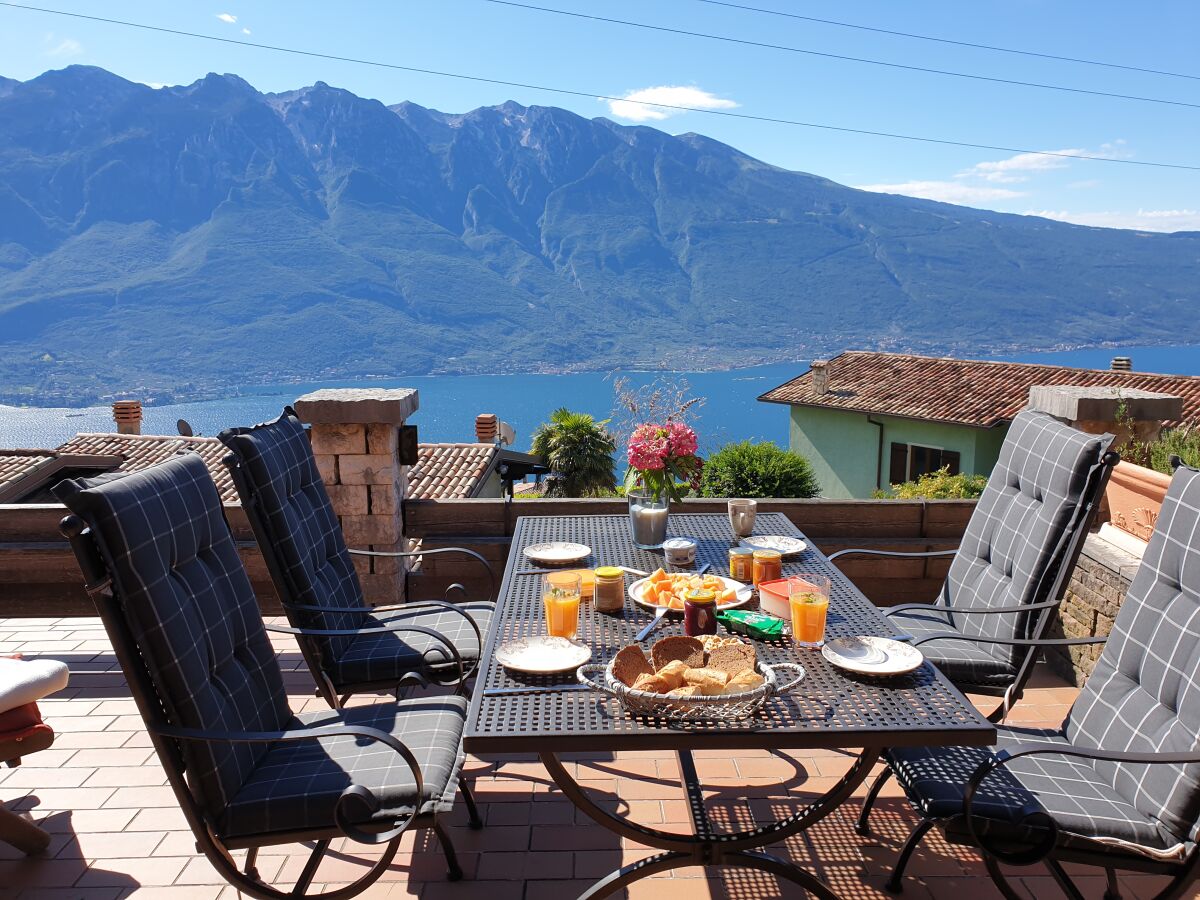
{"type": "Point", "coordinates": [1012, 169]}
{"type": "Point", "coordinates": [65, 47]}
{"type": "Point", "coordinates": [633, 106]}
{"type": "Point", "coordinates": [245, 31]}
{"type": "Point", "coordinates": [1142, 220]}
{"type": "Point", "coordinates": [227, 18]}
{"type": "Point", "coordinates": [944, 191]}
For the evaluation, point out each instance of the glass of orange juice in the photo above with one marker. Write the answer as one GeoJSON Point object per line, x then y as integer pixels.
{"type": "Point", "coordinates": [808, 596]}
{"type": "Point", "coordinates": [560, 595]}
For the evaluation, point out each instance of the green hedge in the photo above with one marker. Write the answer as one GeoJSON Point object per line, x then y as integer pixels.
{"type": "Point", "coordinates": [747, 469]}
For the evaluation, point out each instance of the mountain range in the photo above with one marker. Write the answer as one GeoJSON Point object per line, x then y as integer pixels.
{"type": "Point", "coordinates": [182, 240]}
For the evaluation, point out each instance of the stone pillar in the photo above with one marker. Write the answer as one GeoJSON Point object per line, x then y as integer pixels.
{"type": "Point", "coordinates": [355, 438]}
{"type": "Point", "coordinates": [1129, 413]}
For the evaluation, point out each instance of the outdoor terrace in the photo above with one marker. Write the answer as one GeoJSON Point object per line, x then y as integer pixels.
{"type": "Point", "coordinates": [118, 832]}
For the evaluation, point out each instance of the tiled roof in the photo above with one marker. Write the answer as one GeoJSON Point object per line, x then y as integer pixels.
{"type": "Point", "coordinates": [445, 471]}
{"type": "Point", "coordinates": [960, 391]}
{"type": "Point", "coordinates": [143, 450]}
{"type": "Point", "coordinates": [16, 464]}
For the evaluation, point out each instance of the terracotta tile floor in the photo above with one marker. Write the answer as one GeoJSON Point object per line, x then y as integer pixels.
{"type": "Point", "coordinates": [117, 831]}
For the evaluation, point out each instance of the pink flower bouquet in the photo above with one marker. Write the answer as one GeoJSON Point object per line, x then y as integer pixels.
{"type": "Point", "coordinates": [663, 460]}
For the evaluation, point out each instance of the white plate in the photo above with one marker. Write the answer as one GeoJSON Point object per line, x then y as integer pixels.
{"type": "Point", "coordinates": [787, 546]}
{"type": "Point", "coordinates": [558, 553]}
{"type": "Point", "coordinates": [872, 655]}
{"type": "Point", "coordinates": [542, 654]}
{"type": "Point", "coordinates": [744, 593]}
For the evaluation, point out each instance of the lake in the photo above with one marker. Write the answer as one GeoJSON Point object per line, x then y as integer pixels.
{"type": "Point", "coordinates": [449, 404]}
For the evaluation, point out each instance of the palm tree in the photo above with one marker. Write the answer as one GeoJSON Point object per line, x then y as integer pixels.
{"type": "Point", "coordinates": [579, 451]}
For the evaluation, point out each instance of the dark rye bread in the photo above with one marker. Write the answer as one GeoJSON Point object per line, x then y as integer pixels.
{"type": "Point", "coordinates": [629, 664]}
{"type": "Point", "coordinates": [731, 659]}
{"type": "Point", "coordinates": [686, 649]}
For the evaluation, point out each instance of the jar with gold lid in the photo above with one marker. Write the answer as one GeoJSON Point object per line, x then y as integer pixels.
{"type": "Point", "coordinates": [767, 566]}
{"type": "Point", "coordinates": [741, 563]}
{"type": "Point", "coordinates": [610, 589]}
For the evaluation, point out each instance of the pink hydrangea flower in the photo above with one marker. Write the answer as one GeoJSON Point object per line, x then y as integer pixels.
{"type": "Point", "coordinates": [682, 440]}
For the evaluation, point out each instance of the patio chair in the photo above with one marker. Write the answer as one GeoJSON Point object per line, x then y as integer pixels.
{"type": "Point", "coordinates": [1010, 572]}
{"type": "Point", "coordinates": [1118, 784]}
{"type": "Point", "coordinates": [160, 563]}
{"type": "Point", "coordinates": [276, 477]}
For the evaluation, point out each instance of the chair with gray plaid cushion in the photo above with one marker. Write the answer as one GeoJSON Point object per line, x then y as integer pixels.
{"type": "Point", "coordinates": [281, 490]}
{"type": "Point", "coordinates": [1118, 784]}
{"type": "Point", "coordinates": [160, 563]}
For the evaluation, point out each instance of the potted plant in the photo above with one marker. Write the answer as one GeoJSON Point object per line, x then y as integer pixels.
{"type": "Point", "coordinates": [663, 465]}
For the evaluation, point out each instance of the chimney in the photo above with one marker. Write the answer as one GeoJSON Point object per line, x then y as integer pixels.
{"type": "Point", "coordinates": [1122, 364]}
{"type": "Point", "coordinates": [820, 377]}
{"type": "Point", "coordinates": [128, 416]}
{"type": "Point", "coordinates": [487, 427]}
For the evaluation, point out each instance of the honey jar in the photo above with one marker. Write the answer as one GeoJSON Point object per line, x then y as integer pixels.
{"type": "Point", "coordinates": [741, 563]}
{"type": "Point", "coordinates": [767, 566]}
{"type": "Point", "coordinates": [610, 589]}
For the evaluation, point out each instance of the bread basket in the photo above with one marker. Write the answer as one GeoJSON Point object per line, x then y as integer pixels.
{"type": "Point", "coordinates": [779, 678]}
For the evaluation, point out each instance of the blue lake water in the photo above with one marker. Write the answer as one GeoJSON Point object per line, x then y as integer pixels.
{"type": "Point", "coordinates": [449, 404]}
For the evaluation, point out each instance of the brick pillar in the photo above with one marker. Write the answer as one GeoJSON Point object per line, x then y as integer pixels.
{"type": "Point", "coordinates": [355, 440]}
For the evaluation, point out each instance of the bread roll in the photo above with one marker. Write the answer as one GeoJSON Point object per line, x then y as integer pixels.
{"type": "Point", "coordinates": [746, 680]}
{"type": "Point", "coordinates": [651, 683]}
{"type": "Point", "coordinates": [687, 691]}
{"type": "Point", "coordinates": [709, 681]}
{"type": "Point", "coordinates": [672, 673]}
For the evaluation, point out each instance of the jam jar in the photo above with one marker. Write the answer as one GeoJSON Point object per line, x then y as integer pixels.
{"type": "Point", "coordinates": [768, 565]}
{"type": "Point", "coordinates": [610, 589]}
{"type": "Point", "coordinates": [699, 612]}
{"type": "Point", "coordinates": [741, 563]}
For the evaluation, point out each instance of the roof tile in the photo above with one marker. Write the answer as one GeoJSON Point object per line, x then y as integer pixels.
{"type": "Point", "coordinates": [446, 471]}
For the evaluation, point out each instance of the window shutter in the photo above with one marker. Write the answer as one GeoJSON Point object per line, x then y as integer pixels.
{"type": "Point", "coordinates": [952, 459]}
{"type": "Point", "coordinates": [899, 465]}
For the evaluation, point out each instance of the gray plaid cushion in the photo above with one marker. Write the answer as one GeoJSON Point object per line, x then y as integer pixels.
{"type": "Point", "coordinates": [297, 784]}
{"type": "Point", "coordinates": [304, 535]}
{"type": "Point", "coordinates": [1144, 694]}
{"type": "Point", "coordinates": [385, 657]}
{"type": "Point", "coordinates": [1008, 551]}
{"type": "Point", "coordinates": [1069, 790]}
{"type": "Point", "coordinates": [965, 663]}
{"type": "Point", "coordinates": [192, 612]}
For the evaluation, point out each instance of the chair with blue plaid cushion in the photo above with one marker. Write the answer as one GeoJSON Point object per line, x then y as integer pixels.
{"type": "Point", "coordinates": [281, 490]}
{"type": "Point", "coordinates": [1118, 784]}
{"type": "Point", "coordinates": [160, 563]}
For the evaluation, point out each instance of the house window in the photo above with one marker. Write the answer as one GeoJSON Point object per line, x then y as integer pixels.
{"type": "Point", "coordinates": [911, 461]}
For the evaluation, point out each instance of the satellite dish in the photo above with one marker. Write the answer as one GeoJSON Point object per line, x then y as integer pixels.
{"type": "Point", "coordinates": [184, 428]}
{"type": "Point", "coordinates": [507, 434]}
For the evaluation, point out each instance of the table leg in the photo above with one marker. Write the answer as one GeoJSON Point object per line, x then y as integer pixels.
{"type": "Point", "coordinates": [704, 846]}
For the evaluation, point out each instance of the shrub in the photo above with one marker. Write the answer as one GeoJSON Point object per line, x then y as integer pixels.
{"type": "Point", "coordinates": [939, 485]}
{"type": "Point", "coordinates": [747, 469]}
{"type": "Point", "coordinates": [579, 451]}
{"type": "Point", "coordinates": [1181, 442]}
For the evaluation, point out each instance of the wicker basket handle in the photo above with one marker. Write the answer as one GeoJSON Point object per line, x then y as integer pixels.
{"type": "Point", "coordinates": [593, 676]}
{"type": "Point", "coordinates": [786, 675]}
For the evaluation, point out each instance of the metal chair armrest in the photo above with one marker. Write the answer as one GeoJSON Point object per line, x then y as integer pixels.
{"type": "Point", "coordinates": [983, 610]}
{"type": "Point", "coordinates": [355, 792]}
{"type": "Point", "coordinates": [1008, 642]}
{"type": "Point", "coordinates": [1004, 757]}
{"type": "Point", "coordinates": [925, 554]}
{"type": "Point", "coordinates": [411, 553]}
{"type": "Point", "coordinates": [384, 629]}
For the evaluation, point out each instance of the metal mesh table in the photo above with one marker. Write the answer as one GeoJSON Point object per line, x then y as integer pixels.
{"type": "Point", "coordinates": [829, 709]}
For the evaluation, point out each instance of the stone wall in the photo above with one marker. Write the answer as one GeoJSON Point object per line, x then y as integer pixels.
{"type": "Point", "coordinates": [1094, 594]}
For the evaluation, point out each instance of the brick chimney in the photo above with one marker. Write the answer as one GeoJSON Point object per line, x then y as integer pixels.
{"type": "Point", "coordinates": [820, 377]}
{"type": "Point", "coordinates": [487, 428]}
{"type": "Point", "coordinates": [1121, 364]}
{"type": "Point", "coordinates": [128, 416]}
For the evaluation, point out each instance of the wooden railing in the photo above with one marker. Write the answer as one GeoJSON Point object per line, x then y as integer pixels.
{"type": "Point", "coordinates": [486, 526]}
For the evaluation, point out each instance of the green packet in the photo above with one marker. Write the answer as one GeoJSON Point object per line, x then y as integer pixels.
{"type": "Point", "coordinates": [756, 625]}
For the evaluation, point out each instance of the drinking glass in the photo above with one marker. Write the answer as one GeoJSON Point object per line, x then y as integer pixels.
{"type": "Point", "coordinates": [808, 597]}
{"type": "Point", "coordinates": [741, 517]}
{"type": "Point", "coordinates": [560, 596]}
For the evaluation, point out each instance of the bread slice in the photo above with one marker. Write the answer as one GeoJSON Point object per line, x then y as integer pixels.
{"type": "Point", "coordinates": [689, 690]}
{"type": "Point", "coordinates": [687, 649]}
{"type": "Point", "coordinates": [673, 673]}
{"type": "Point", "coordinates": [630, 663]}
{"type": "Point", "coordinates": [709, 681]}
{"type": "Point", "coordinates": [732, 658]}
{"type": "Point", "coordinates": [747, 680]}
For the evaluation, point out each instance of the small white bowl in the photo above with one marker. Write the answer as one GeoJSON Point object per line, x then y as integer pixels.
{"type": "Point", "coordinates": [680, 551]}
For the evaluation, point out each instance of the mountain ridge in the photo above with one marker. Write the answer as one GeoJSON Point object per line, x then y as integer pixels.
{"type": "Point", "coordinates": [179, 240]}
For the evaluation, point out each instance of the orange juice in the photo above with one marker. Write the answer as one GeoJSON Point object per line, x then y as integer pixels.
{"type": "Point", "coordinates": [808, 618]}
{"type": "Point", "coordinates": [560, 596]}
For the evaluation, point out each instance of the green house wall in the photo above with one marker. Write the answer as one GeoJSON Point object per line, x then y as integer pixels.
{"type": "Point", "coordinates": [843, 447]}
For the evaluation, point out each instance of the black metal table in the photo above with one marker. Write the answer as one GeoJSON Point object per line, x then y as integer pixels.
{"type": "Point", "coordinates": [829, 709]}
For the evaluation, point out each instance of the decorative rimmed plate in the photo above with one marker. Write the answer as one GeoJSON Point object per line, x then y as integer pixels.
{"type": "Point", "coordinates": [744, 593]}
{"type": "Point", "coordinates": [787, 546]}
{"type": "Point", "coordinates": [870, 655]}
{"type": "Point", "coordinates": [542, 654]}
{"type": "Point", "coordinates": [558, 553]}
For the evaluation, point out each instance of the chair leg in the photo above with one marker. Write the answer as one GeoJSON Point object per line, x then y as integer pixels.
{"type": "Point", "coordinates": [468, 797]}
{"type": "Point", "coordinates": [864, 825]}
{"type": "Point", "coordinates": [1112, 890]}
{"type": "Point", "coordinates": [22, 833]}
{"type": "Point", "coordinates": [894, 884]}
{"type": "Point", "coordinates": [453, 870]}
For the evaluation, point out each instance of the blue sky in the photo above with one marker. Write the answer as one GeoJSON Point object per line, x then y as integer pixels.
{"type": "Point", "coordinates": [480, 38]}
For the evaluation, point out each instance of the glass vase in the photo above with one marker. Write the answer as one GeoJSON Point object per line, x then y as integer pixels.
{"type": "Point", "coordinates": [648, 519]}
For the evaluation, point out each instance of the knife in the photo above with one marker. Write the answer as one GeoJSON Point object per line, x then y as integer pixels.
{"type": "Point", "coordinates": [535, 689]}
